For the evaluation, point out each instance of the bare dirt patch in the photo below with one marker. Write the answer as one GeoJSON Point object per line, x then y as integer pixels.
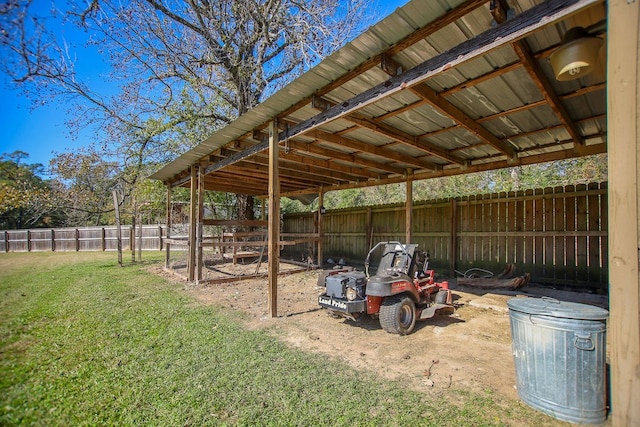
{"type": "Point", "coordinates": [470, 349]}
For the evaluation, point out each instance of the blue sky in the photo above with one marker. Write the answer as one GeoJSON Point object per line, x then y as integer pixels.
{"type": "Point", "coordinates": [42, 131]}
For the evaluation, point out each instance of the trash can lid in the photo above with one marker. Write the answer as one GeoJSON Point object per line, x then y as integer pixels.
{"type": "Point", "coordinates": [552, 307]}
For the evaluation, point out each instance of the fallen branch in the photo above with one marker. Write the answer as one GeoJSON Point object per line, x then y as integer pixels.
{"type": "Point", "coordinates": [495, 283]}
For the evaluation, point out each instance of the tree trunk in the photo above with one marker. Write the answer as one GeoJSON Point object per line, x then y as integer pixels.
{"type": "Point", "coordinates": [245, 207]}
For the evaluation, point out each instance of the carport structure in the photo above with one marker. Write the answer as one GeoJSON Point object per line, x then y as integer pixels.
{"type": "Point", "coordinates": [441, 88]}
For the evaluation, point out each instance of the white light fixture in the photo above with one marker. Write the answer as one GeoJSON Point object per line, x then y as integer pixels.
{"type": "Point", "coordinates": [576, 56]}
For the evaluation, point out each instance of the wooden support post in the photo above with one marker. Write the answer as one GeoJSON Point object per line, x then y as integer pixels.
{"type": "Point", "coordinates": [103, 239]}
{"type": "Point", "coordinates": [453, 244]}
{"type": "Point", "coordinates": [28, 240]}
{"type": "Point", "coordinates": [53, 240]}
{"type": "Point", "coordinates": [369, 236]}
{"type": "Point", "coordinates": [167, 253]}
{"type": "Point", "coordinates": [320, 222]}
{"type": "Point", "coordinates": [274, 219]}
{"type": "Point", "coordinates": [191, 263]}
{"type": "Point", "coordinates": [623, 99]}
{"type": "Point", "coordinates": [200, 225]}
{"type": "Point", "coordinates": [408, 208]}
{"type": "Point", "coordinates": [6, 241]}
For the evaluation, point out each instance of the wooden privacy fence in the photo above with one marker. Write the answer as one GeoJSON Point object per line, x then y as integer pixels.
{"type": "Point", "coordinates": [81, 239]}
{"type": "Point", "coordinates": [558, 235]}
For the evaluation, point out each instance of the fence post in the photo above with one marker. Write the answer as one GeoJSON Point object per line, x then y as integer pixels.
{"type": "Point", "coordinates": [28, 240]}
{"type": "Point", "coordinates": [77, 240]}
{"type": "Point", "coordinates": [103, 239]}
{"type": "Point", "coordinates": [140, 239]}
{"type": "Point", "coordinates": [6, 241]}
{"type": "Point", "coordinates": [53, 240]}
{"type": "Point", "coordinates": [132, 240]}
{"type": "Point", "coordinates": [118, 228]}
{"type": "Point", "coordinates": [160, 237]}
{"type": "Point", "coordinates": [453, 244]}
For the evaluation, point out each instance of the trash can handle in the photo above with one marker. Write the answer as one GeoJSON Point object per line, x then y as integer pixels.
{"type": "Point", "coordinates": [549, 299]}
{"type": "Point", "coordinates": [584, 342]}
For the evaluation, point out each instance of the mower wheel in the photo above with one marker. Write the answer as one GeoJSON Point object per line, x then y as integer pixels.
{"type": "Point", "coordinates": [398, 315]}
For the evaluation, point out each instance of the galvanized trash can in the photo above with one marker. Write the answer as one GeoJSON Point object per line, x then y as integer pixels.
{"type": "Point", "coordinates": [560, 359]}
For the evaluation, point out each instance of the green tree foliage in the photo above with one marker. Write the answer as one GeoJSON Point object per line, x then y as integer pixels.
{"type": "Point", "coordinates": [85, 185]}
{"type": "Point", "coordinates": [26, 200]}
{"type": "Point", "coordinates": [582, 170]}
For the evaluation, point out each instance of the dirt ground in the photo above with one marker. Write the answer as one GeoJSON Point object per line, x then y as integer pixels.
{"type": "Point", "coordinates": [470, 349]}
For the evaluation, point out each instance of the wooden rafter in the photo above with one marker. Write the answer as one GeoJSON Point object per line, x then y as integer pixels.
{"type": "Point", "coordinates": [402, 137]}
{"type": "Point", "coordinates": [381, 128]}
{"type": "Point", "coordinates": [522, 49]}
{"type": "Point", "coordinates": [413, 38]}
{"type": "Point", "coordinates": [371, 149]}
{"type": "Point", "coordinates": [293, 163]}
{"type": "Point", "coordinates": [512, 30]}
{"type": "Point", "coordinates": [498, 162]}
{"type": "Point", "coordinates": [508, 32]}
{"type": "Point", "coordinates": [314, 148]}
{"type": "Point", "coordinates": [463, 119]}
{"type": "Point", "coordinates": [332, 155]}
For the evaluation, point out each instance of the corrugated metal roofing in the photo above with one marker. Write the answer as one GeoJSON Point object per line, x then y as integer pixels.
{"type": "Point", "coordinates": [460, 119]}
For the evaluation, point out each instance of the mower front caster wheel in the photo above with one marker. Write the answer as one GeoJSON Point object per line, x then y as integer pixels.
{"type": "Point", "coordinates": [398, 315]}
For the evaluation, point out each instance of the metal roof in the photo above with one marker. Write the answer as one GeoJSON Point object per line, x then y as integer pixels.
{"type": "Point", "coordinates": [436, 88]}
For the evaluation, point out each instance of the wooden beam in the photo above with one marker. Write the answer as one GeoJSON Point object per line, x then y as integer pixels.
{"type": "Point", "coordinates": [499, 163]}
{"type": "Point", "coordinates": [364, 166]}
{"type": "Point", "coordinates": [453, 237]}
{"type": "Point", "coordinates": [408, 209]}
{"type": "Point", "coordinates": [389, 65]}
{"type": "Point", "coordinates": [250, 176]}
{"type": "Point", "coordinates": [623, 99]}
{"type": "Point", "coordinates": [274, 220]}
{"type": "Point", "coordinates": [544, 86]}
{"type": "Point", "coordinates": [319, 228]}
{"type": "Point", "coordinates": [462, 118]}
{"type": "Point", "coordinates": [347, 157]}
{"type": "Point", "coordinates": [528, 60]}
{"type": "Point", "coordinates": [372, 149]}
{"type": "Point", "coordinates": [299, 167]}
{"type": "Point", "coordinates": [235, 222]}
{"type": "Point", "coordinates": [167, 248]}
{"type": "Point", "coordinates": [402, 137]}
{"type": "Point", "coordinates": [379, 127]}
{"type": "Point", "coordinates": [298, 173]}
{"type": "Point", "coordinates": [414, 37]}
{"type": "Point", "coordinates": [200, 225]}
{"type": "Point", "coordinates": [319, 103]}
{"type": "Point", "coordinates": [191, 264]}
{"type": "Point", "coordinates": [514, 29]}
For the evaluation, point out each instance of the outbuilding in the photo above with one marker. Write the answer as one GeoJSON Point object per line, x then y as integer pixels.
{"type": "Point", "coordinates": [441, 88]}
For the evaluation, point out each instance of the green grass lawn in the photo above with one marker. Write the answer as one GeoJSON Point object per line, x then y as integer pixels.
{"type": "Point", "coordinates": [84, 342]}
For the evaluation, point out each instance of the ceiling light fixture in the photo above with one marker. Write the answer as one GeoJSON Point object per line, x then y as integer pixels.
{"type": "Point", "coordinates": [577, 54]}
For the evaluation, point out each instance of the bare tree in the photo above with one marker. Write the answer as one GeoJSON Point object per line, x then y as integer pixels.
{"type": "Point", "coordinates": [182, 68]}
